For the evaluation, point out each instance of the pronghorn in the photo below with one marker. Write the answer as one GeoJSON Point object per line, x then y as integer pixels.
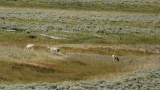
{"type": "Point", "coordinates": [115, 58]}
{"type": "Point", "coordinates": [29, 46]}
{"type": "Point", "coordinates": [54, 49]}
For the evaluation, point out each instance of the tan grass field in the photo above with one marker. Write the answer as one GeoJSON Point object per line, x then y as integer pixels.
{"type": "Point", "coordinates": [39, 65]}
{"type": "Point", "coordinates": [87, 37]}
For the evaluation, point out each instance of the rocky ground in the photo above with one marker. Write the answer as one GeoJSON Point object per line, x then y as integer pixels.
{"type": "Point", "coordinates": [139, 80]}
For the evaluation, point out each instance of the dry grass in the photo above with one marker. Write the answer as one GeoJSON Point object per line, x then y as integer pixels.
{"type": "Point", "coordinates": [76, 61]}
{"type": "Point", "coordinates": [109, 50]}
{"type": "Point", "coordinates": [84, 55]}
{"type": "Point", "coordinates": [18, 66]}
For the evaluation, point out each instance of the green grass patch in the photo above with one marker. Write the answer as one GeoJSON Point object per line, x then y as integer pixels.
{"type": "Point", "coordinates": [114, 38]}
{"type": "Point", "coordinates": [14, 38]}
{"type": "Point", "coordinates": [22, 38]}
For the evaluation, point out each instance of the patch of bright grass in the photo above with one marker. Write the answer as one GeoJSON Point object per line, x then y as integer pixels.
{"type": "Point", "coordinates": [79, 38]}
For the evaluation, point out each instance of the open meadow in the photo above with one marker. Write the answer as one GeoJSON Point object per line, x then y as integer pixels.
{"type": "Point", "coordinates": [88, 33]}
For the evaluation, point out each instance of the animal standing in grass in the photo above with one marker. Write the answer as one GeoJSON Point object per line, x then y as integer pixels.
{"type": "Point", "coordinates": [54, 49]}
{"type": "Point", "coordinates": [115, 58]}
{"type": "Point", "coordinates": [29, 47]}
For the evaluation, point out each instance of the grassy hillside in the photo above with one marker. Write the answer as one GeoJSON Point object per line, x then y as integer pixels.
{"type": "Point", "coordinates": [88, 32]}
{"type": "Point", "coordinates": [19, 66]}
{"type": "Point", "coordinates": [147, 79]}
{"type": "Point", "coordinates": [75, 62]}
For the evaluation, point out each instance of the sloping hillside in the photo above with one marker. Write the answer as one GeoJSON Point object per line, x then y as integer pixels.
{"type": "Point", "coordinates": [87, 33]}
{"type": "Point", "coordinates": [140, 80]}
